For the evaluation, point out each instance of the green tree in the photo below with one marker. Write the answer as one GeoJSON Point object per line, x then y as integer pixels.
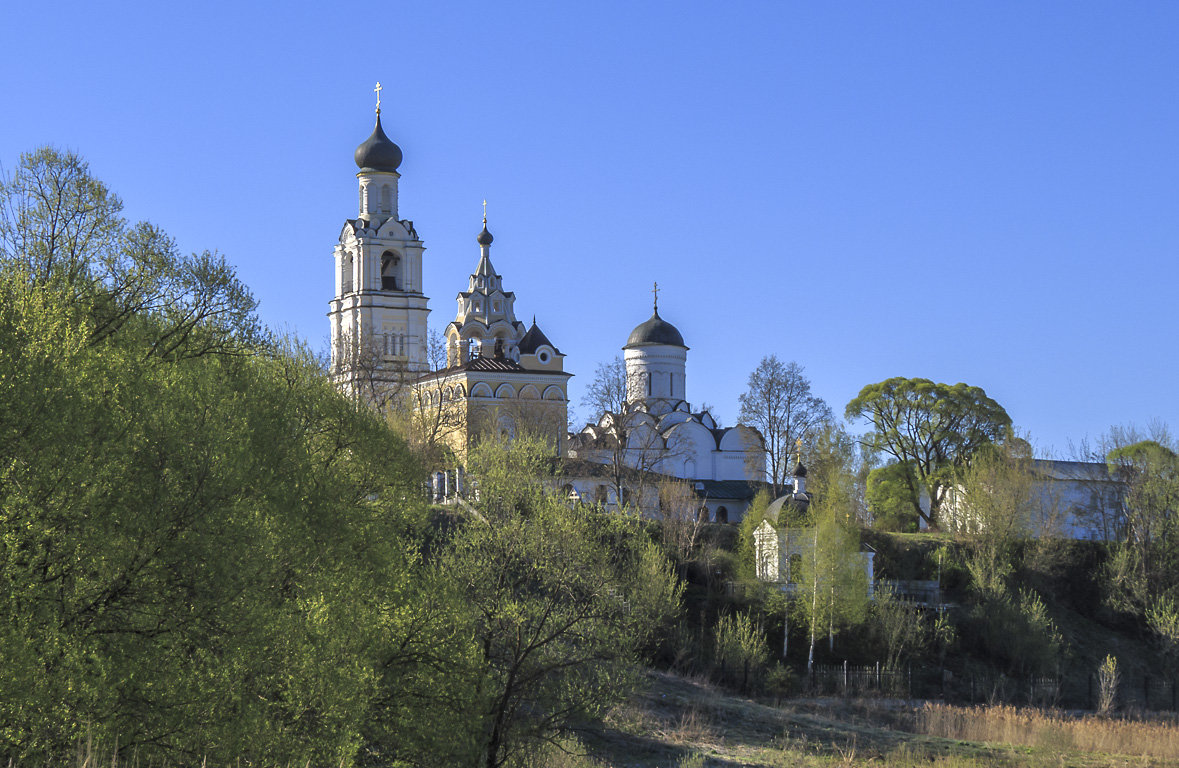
{"type": "Point", "coordinates": [933, 428]}
{"type": "Point", "coordinates": [205, 551]}
{"type": "Point", "coordinates": [897, 626]}
{"type": "Point", "coordinates": [832, 586]}
{"type": "Point", "coordinates": [778, 403]}
{"type": "Point", "coordinates": [561, 603]}
{"type": "Point", "coordinates": [59, 226]}
{"type": "Point", "coordinates": [1146, 559]}
{"type": "Point", "coordinates": [890, 498]}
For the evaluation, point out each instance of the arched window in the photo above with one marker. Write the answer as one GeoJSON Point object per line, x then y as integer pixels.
{"type": "Point", "coordinates": [390, 269]}
{"type": "Point", "coordinates": [386, 199]}
{"type": "Point", "coordinates": [346, 274]}
{"type": "Point", "coordinates": [722, 514]}
{"type": "Point", "coordinates": [704, 516]}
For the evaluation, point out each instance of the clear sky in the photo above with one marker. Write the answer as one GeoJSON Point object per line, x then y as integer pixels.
{"type": "Point", "coordinates": [984, 192]}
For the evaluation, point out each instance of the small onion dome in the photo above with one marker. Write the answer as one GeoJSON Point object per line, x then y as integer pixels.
{"type": "Point", "coordinates": [484, 237]}
{"type": "Point", "coordinates": [655, 331]}
{"type": "Point", "coordinates": [378, 152]}
{"type": "Point", "coordinates": [799, 470]}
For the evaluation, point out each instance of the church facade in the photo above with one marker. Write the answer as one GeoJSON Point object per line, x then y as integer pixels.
{"type": "Point", "coordinates": [490, 373]}
{"type": "Point", "coordinates": [500, 378]}
{"type": "Point", "coordinates": [494, 374]}
{"type": "Point", "coordinates": [655, 431]}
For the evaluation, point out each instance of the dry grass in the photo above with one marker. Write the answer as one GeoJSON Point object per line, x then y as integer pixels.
{"type": "Point", "coordinates": [1046, 729]}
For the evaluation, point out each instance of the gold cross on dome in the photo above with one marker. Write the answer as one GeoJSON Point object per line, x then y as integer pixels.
{"type": "Point", "coordinates": [655, 291]}
{"type": "Point", "coordinates": [378, 90]}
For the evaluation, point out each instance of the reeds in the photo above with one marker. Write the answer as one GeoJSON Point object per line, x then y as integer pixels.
{"type": "Point", "coordinates": [1051, 730]}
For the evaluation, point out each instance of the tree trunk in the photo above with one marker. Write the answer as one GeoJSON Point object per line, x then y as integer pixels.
{"type": "Point", "coordinates": [786, 629]}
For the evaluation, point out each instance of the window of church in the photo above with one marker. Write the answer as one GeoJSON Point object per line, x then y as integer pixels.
{"type": "Point", "coordinates": [390, 267]}
{"type": "Point", "coordinates": [722, 515]}
{"type": "Point", "coordinates": [346, 274]}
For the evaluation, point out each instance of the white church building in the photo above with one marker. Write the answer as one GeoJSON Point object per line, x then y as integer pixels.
{"type": "Point", "coordinates": [664, 436]}
{"type": "Point", "coordinates": [500, 374]}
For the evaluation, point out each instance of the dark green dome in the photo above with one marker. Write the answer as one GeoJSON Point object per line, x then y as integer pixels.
{"type": "Point", "coordinates": [484, 237]}
{"type": "Point", "coordinates": [655, 331]}
{"type": "Point", "coordinates": [378, 152]}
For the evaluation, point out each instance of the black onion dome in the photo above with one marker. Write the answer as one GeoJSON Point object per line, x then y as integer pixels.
{"type": "Point", "coordinates": [799, 470]}
{"type": "Point", "coordinates": [378, 152]}
{"type": "Point", "coordinates": [484, 237]}
{"type": "Point", "coordinates": [655, 331]}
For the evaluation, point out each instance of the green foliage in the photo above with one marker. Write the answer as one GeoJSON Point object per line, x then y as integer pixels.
{"type": "Point", "coordinates": [1017, 630]}
{"type": "Point", "coordinates": [998, 497]}
{"type": "Point", "coordinates": [745, 542]}
{"type": "Point", "coordinates": [890, 498]}
{"type": "Point", "coordinates": [205, 551]}
{"type": "Point", "coordinates": [60, 227]}
{"type": "Point", "coordinates": [1108, 679]}
{"type": "Point", "coordinates": [1144, 570]}
{"type": "Point", "coordinates": [896, 627]}
{"type": "Point", "coordinates": [832, 583]}
{"type": "Point", "coordinates": [1163, 620]}
{"type": "Point", "coordinates": [559, 604]}
{"type": "Point", "coordinates": [933, 428]}
{"type": "Point", "coordinates": [740, 648]}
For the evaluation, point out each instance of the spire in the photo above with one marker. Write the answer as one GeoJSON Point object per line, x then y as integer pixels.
{"type": "Point", "coordinates": [655, 291]}
{"type": "Point", "coordinates": [484, 269]}
{"type": "Point", "coordinates": [484, 239]}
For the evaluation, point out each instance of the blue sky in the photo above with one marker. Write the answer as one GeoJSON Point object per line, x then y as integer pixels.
{"type": "Point", "coordinates": [969, 191]}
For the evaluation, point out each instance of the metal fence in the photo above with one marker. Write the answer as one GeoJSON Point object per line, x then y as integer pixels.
{"type": "Point", "coordinates": [1136, 692]}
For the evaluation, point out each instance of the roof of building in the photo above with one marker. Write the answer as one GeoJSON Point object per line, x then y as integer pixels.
{"type": "Point", "coordinates": [534, 340]}
{"type": "Point", "coordinates": [656, 330]}
{"type": "Point", "coordinates": [740, 490]}
{"type": "Point", "coordinates": [490, 365]}
{"type": "Point", "coordinates": [1087, 471]}
{"type": "Point", "coordinates": [797, 501]}
{"type": "Point", "coordinates": [378, 152]}
{"type": "Point", "coordinates": [484, 237]}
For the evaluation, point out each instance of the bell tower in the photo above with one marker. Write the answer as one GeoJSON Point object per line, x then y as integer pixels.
{"type": "Point", "coordinates": [378, 314]}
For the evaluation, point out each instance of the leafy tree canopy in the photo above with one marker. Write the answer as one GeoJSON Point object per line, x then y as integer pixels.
{"type": "Point", "coordinates": [934, 428]}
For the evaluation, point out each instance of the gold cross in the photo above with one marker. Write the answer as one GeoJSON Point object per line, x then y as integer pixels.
{"type": "Point", "coordinates": [484, 212]}
{"type": "Point", "coordinates": [655, 291]}
{"type": "Point", "coordinates": [378, 90]}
